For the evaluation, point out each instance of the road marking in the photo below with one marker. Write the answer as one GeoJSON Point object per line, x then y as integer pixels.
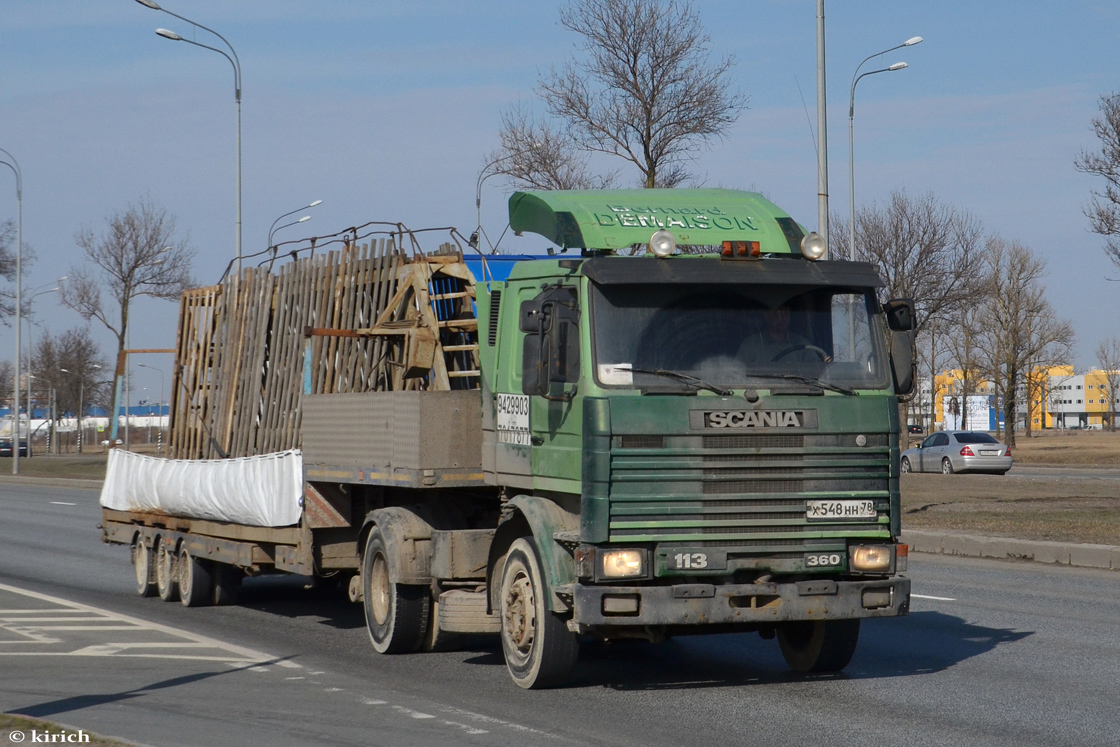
{"type": "Point", "coordinates": [939, 599]}
{"type": "Point", "coordinates": [115, 621]}
{"type": "Point", "coordinates": [62, 503]}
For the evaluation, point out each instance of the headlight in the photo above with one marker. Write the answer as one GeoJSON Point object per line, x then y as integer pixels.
{"type": "Point", "coordinates": [622, 563]}
{"type": "Point", "coordinates": [871, 558]}
{"type": "Point", "coordinates": [663, 243]}
{"type": "Point", "coordinates": [812, 245]}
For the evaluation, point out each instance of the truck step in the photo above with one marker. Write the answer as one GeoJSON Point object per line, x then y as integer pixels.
{"type": "Point", "coordinates": [461, 374]}
{"type": "Point", "coordinates": [462, 611]}
{"type": "Point", "coordinates": [458, 348]}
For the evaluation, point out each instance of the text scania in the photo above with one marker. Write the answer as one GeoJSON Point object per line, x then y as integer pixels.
{"type": "Point", "coordinates": [753, 419]}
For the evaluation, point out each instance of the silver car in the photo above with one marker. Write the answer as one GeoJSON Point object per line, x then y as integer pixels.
{"type": "Point", "coordinates": [957, 451]}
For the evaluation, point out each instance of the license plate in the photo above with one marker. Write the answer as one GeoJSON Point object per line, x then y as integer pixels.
{"type": "Point", "coordinates": [840, 510]}
{"type": "Point", "coordinates": [989, 453]}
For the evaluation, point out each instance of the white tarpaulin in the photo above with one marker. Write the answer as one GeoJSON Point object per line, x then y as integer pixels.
{"type": "Point", "coordinates": [263, 491]}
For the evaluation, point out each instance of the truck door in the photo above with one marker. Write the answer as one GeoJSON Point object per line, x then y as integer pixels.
{"type": "Point", "coordinates": [550, 378]}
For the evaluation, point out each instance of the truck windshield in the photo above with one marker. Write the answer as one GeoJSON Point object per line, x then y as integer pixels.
{"type": "Point", "coordinates": [735, 338]}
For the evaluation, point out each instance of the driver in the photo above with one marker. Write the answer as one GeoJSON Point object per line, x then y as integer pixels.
{"type": "Point", "coordinates": [774, 338]}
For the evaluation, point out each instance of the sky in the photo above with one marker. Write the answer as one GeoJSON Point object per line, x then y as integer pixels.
{"type": "Point", "coordinates": [387, 110]}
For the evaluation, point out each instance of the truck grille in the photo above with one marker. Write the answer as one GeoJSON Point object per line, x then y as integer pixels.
{"type": "Point", "coordinates": [747, 490]}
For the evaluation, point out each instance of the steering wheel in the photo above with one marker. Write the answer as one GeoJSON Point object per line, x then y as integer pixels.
{"type": "Point", "coordinates": [821, 352]}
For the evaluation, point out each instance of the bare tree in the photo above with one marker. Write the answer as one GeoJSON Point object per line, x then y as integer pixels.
{"type": "Point", "coordinates": [73, 365]}
{"type": "Point", "coordinates": [924, 250]}
{"type": "Point", "coordinates": [7, 377]}
{"type": "Point", "coordinates": [1108, 356]}
{"type": "Point", "coordinates": [138, 255]}
{"type": "Point", "coordinates": [534, 155]}
{"type": "Point", "coordinates": [8, 268]}
{"type": "Point", "coordinates": [1104, 211]}
{"type": "Point", "coordinates": [1020, 333]}
{"type": "Point", "coordinates": [965, 353]}
{"type": "Point", "coordinates": [643, 88]}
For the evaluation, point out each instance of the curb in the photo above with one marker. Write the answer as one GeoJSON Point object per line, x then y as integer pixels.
{"type": "Point", "coordinates": [1007, 548]}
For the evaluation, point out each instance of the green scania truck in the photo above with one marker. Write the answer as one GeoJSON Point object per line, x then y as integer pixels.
{"type": "Point", "coordinates": [700, 438]}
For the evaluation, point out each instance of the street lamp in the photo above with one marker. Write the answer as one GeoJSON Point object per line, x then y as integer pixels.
{"type": "Point", "coordinates": [233, 60]}
{"type": "Point", "coordinates": [159, 446]}
{"type": "Point", "coordinates": [851, 122]}
{"type": "Point", "coordinates": [482, 177]}
{"type": "Point", "coordinates": [35, 293]}
{"type": "Point", "coordinates": [14, 166]}
{"type": "Point", "coordinates": [81, 398]}
{"type": "Point", "coordinates": [273, 229]}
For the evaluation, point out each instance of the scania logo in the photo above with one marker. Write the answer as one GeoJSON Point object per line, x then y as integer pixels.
{"type": "Point", "coordinates": [754, 419]}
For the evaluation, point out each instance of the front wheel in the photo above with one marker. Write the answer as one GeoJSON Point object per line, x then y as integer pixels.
{"type": "Point", "coordinates": [818, 645]}
{"type": "Point", "coordinates": [905, 465]}
{"type": "Point", "coordinates": [396, 614]}
{"type": "Point", "coordinates": [539, 649]}
{"type": "Point", "coordinates": [946, 466]}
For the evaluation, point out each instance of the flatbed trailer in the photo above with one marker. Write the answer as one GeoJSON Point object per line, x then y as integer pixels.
{"type": "Point", "coordinates": [589, 446]}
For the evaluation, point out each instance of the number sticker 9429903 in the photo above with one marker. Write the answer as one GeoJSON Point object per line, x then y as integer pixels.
{"type": "Point", "coordinates": [823, 560]}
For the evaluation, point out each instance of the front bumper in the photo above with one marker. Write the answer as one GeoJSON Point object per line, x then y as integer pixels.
{"type": "Point", "coordinates": [707, 604]}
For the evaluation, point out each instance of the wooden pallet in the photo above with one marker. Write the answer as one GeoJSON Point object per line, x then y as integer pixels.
{"type": "Point", "coordinates": [364, 318]}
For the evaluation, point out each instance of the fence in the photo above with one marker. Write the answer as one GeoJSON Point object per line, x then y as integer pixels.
{"type": "Point", "coordinates": [363, 318]}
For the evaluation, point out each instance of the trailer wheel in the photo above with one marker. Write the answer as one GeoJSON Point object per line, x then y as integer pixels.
{"type": "Point", "coordinates": [195, 581]}
{"type": "Point", "coordinates": [396, 614]}
{"type": "Point", "coordinates": [144, 567]}
{"type": "Point", "coordinates": [166, 571]}
{"type": "Point", "coordinates": [227, 583]}
{"type": "Point", "coordinates": [539, 649]}
{"type": "Point", "coordinates": [818, 645]}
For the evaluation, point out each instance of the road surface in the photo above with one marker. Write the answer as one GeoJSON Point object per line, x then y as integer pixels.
{"type": "Point", "coordinates": [992, 654]}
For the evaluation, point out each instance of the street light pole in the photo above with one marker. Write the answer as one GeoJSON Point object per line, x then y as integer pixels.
{"type": "Point", "coordinates": [822, 136]}
{"type": "Point", "coordinates": [851, 125]}
{"type": "Point", "coordinates": [233, 60]}
{"type": "Point", "coordinates": [14, 166]}
{"type": "Point", "coordinates": [159, 446]}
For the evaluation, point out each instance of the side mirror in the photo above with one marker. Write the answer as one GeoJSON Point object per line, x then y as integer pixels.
{"type": "Point", "coordinates": [550, 352]}
{"type": "Point", "coordinates": [900, 314]}
{"type": "Point", "coordinates": [900, 321]}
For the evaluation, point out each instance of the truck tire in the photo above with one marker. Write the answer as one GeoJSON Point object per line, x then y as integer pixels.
{"type": "Point", "coordinates": [227, 584]}
{"type": "Point", "coordinates": [396, 614]}
{"type": "Point", "coordinates": [167, 583]}
{"type": "Point", "coordinates": [539, 649]}
{"type": "Point", "coordinates": [195, 581]}
{"type": "Point", "coordinates": [143, 565]}
{"type": "Point", "coordinates": [818, 645]}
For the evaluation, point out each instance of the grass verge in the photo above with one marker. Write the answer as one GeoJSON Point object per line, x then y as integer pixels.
{"type": "Point", "coordinates": [1085, 510]}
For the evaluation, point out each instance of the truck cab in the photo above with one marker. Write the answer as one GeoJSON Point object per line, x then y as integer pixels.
{"type": "Point", "coordinates": [702, 438]}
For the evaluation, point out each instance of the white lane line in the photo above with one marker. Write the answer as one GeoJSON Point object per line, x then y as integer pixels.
{"type": "Point", "coordinates": [939, 599]}
{"type": "Point", "coordinates": [241, 651]}
{"type": "Point", "coordinates": [62, 503]}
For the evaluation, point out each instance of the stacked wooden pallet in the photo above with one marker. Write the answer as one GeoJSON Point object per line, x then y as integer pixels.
{"type": "Point", "coordinates": [364, 318]}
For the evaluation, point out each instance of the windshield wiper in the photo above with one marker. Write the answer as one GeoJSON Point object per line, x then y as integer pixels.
{"type": "Point", "coordinates": [812, 382]}
{"type": "Point", "coordinates": [698, 383]}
